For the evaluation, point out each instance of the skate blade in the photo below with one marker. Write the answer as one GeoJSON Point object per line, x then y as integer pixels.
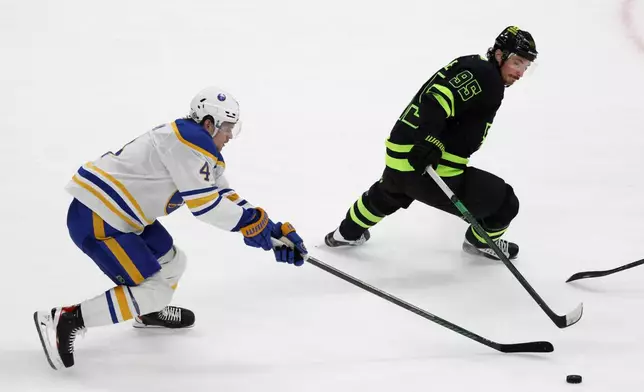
{"type": "Point", "coordinates": [333, 243]}
{"type": "Point", "coordinates": [140, 325]}
{"type": "Point", "coordinates": [42, 321]}
{"type": "Point", "coordinates": [473, 250]}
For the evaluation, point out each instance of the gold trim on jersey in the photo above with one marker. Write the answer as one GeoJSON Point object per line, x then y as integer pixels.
{"type": "Point", "coordinates": [107, 203]}
{"type": "Point", "coordinates": [120, 186]}
{"type": "Point", "coordinates": [191, 145]}
{"type": "Point", "coordinates": [233, 197]}
{"type": "Point", "coordinates": [196, 203]}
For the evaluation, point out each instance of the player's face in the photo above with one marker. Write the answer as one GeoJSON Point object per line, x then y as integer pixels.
{"type": "Point", "coordinates": [514, 68]}
{"type": "Point", "coordinates": [223, 135]}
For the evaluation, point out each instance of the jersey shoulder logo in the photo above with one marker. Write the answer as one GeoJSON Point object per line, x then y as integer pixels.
{"type": "Point", "coordinates": [175, 201]}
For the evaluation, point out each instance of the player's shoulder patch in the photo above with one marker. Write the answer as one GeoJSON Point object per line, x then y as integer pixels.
{"type": "Point", "coordinates": [196, 137]}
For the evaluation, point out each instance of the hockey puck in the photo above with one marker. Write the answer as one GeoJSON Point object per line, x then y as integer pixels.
{"type": "Point", "coordinates": [573, 379]}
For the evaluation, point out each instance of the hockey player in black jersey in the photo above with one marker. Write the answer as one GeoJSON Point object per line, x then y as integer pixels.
{"type": "Point", "coordinates": [445, 123]}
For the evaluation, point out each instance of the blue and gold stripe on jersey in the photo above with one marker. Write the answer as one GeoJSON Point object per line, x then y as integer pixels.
{"type": "Point", "coordinates": [200, 201]}
{"type": "Point", "coordinates": [113, 194]}
{"type": "Point", "coordinates": [197, 138]}
{"type": "Point", "coordinates": [234, 197]}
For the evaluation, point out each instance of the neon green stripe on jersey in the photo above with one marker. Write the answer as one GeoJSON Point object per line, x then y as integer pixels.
{"type": "Point", "coordinates": [443, 103]}
{"type": "Point", "coordinates": [454, 158]}
{"type": "Point", "coordinates": [398, 147]}
{"type": "Point", "coordinates": [398, 164]}
{"type": "Point", "coordinates": [446, 171]}
{"type": "Point", "coordinates": [447, 93]}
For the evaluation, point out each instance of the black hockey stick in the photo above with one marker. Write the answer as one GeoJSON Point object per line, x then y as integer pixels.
{"type": "Point", "coordinates": [598, 274]}
{"type": "Point", "coordinates": [528, 347]}
{"type": "Point", "coordinates": [561, 321]}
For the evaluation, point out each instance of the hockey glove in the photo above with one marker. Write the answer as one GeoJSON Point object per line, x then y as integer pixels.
{"type": "Point", "coordinates": [285, 253]}
{"type": "Point", "coordinates": [425, 153]}
{"type": "Point", "coordinates": [257, 233]}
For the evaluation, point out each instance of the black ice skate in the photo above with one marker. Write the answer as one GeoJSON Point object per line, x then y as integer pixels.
{"type": "Point", "coordinates": [473, 246]}
{"type": "Point", "coordinates": [168, 317]}
{"type": "Point", "coordinates": [334, 239]}
{"type": "Point", "coordinates": [58, 329]}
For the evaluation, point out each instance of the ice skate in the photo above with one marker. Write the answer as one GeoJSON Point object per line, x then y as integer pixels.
{"type": "Point", "coordinates": [473, 246]}
{"type": "Point", "coordinates": [169, 317]}
{"type": "Point", "coordinates": [57, 330]}
{"type": "Point", "coordinates": [334, 239]}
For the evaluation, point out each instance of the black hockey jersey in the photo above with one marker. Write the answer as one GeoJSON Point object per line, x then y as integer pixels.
{"type": "Point", "coordinates": [457, 106]}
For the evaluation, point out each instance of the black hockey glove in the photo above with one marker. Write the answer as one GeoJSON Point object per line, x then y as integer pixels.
{"type": "Point", "coordinates": [425, 153]}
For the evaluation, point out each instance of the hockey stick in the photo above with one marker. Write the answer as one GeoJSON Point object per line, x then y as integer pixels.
{"type": "Point", "coordinates": [528, 347]}
{"type": "Point", "coordinates": [561, 321]}
{"type": "Point", "coordinates": [598, 274]}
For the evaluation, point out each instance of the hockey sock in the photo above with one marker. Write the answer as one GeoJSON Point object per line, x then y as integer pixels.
{"type": "Point", "coordinates": [122, 303]}
{"type": "Point", "coordinates": [114, 306]}
{"type": "Point", "coordinates": [360, 217]}
{"type": "Point", "coordinates": [475, 238]}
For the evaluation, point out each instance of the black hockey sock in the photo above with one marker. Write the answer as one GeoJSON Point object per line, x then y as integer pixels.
{"type": "Point", "coordinates": [360, 217]}
{"type": "Point", "coordinates": [474, 237]}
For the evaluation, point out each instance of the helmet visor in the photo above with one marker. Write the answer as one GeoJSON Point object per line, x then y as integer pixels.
{"type": "Point", "coordinates": [518, 63]}
{"type": "Point", "coordinates": [233, 129]}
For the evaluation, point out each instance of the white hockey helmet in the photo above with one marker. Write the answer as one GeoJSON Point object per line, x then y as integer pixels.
{"type": "Point", "coordinates": [221, 106]}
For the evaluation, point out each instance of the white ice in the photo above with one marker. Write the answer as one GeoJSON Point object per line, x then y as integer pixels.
{"type": "Point", "coordinates": [321, 84]}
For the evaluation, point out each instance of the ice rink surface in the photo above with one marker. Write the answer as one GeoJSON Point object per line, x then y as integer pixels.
{"type": "Point", "coordinates": [320, 85]}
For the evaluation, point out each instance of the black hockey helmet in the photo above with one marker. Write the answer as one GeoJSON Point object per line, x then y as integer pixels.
{"type": "Point", "coordinates": [513, 40]}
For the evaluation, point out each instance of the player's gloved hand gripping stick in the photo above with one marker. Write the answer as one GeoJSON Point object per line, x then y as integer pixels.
{"type": "Point", "coordinates": [260, 231]}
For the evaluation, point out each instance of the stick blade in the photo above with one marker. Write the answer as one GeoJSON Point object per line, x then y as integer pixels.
{"type": "Point", "coordinates": [570, 318]}
{"type": "Point", "coordinates": [598, 274]}
{"type": "Point", "coordinates": [529, 347]}
{"type": "Point", "coordinates": [575, 315]}
{"type": "Point", "coordinates": [581, 275]}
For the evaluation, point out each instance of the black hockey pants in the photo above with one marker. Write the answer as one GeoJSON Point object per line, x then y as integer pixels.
{"type": "Point", "coordinates": [490, 200]}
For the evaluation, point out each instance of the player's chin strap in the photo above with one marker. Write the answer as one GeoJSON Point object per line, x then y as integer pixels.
{"type": "Point", "coordinates": [217, 126]}
{"type": "Point", "coordinates": [506, 56]}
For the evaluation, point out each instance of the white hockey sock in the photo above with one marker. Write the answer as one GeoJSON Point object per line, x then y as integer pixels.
{"type": "Point", "coordinates": [173, 265]}
{"type": "Point", "coordinates": [114, 306]}
{"type": "Point", "coordinates": [122, 303]}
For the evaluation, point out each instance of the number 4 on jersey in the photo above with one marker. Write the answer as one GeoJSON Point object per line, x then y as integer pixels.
{"type": "Point", "coordinates": [205, 171]}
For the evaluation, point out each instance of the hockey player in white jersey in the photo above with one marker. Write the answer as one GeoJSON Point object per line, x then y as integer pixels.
{"type": "Point", "coordinates": [113, 220]}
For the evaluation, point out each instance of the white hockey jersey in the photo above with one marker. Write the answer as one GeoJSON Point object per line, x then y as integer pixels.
{"type": "Point", "coordinates": [156, 173]}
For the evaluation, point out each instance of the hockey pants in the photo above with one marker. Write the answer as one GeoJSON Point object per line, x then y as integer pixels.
{"type": "Point", "coordinates": [488, 198]}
